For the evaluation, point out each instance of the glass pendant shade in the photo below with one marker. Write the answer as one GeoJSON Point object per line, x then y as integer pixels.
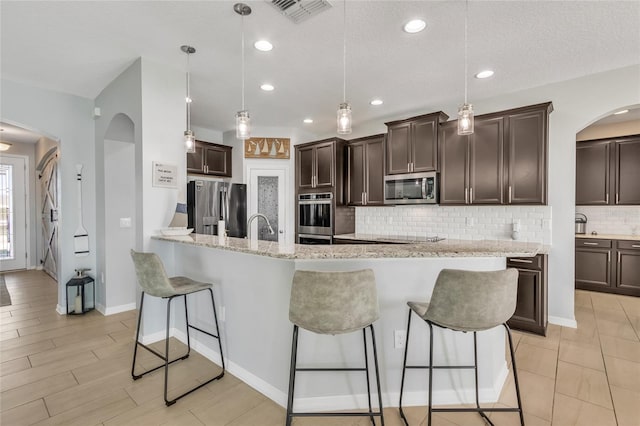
{"type": "Point", "coordinates": [344, 119]}
{"type": "Point", "coordinates": [465, 119]}
{"type": "Point", "coordinates": [243, 125]}
{"type": "Point", "coordinates": [190, 141]}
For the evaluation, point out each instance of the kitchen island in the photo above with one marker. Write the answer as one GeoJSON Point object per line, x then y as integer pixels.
{"type": "Point", "coordinates": [252, 283]}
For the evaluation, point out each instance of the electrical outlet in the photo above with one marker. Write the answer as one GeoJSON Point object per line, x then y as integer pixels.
{"type": "Point", "coordinates": [399, 338]}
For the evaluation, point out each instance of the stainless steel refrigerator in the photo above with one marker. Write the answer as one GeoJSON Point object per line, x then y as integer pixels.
{"type": "Point", "coordinates": [211, 201]}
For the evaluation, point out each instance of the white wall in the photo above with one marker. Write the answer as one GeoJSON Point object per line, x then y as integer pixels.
{"type": "Point", "coordinates": [66, 118]}
{"type": "Point", "coordinates": [577, 103]}
{"type": "Point", "coordinates": [611, 130]}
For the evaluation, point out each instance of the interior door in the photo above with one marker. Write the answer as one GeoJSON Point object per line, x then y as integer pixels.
{"type": "Point", "coordinates": [267, 192]}
{"type": "Point", "coordinates": [13, 213]}
{"type": "Point", "coordinates": [48, 177]}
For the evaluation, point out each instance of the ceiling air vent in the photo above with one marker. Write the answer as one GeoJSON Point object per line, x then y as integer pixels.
{"type": "Point", "coordinates": [299, 10]}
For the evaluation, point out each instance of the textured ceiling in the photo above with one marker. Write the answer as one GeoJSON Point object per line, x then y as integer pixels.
{"type": "Point", "coordinates": [79, 47]}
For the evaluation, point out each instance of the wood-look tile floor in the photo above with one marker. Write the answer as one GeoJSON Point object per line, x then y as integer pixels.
{"type": "Point", "coordinates": [75, 370]}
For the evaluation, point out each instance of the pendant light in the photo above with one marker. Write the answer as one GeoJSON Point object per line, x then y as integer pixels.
{"type": "Point", "coordinates": [243, 121]}
{"type": "Point", "coordinates": [189, 136]}
{"type": "Point", "coordinates": [465, 112]}
{"type": "Point", "coordinates": [344, 109]}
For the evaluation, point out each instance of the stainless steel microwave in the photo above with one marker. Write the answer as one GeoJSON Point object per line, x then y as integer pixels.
{"type": "Point", "coordinates": [413, 188]}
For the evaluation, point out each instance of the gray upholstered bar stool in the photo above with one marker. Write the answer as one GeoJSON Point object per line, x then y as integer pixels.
{"type": "Point", "coordinates": [467, 301]}
{"type": "Point", "coordinates": [334, 303]}
{"type": "Point", "coordinates": [154, 282]}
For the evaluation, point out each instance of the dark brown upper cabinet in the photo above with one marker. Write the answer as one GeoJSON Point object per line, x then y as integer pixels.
{"type": "Point", "coordinates": [607, 171]}
{"type": "Point", "coordinates": [503, 162]}
{"type": "Point", "coordinates": [412, 144]}
{"type": "Point", "coordinates": [472, 166]}
{"type": "Point", "coordinates": [527, 145]}
{"type": "Point", "coordinates": [365, 166]}
{"type": "Point", "coordinates": [210, 159]}
{"type": "Point", "coordinates": [320, 167]}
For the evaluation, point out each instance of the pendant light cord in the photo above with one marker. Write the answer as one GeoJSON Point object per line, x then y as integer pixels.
{"type": "Point", "coordinates": [242, 38]}
{"type": "Point", "coordinates": [344, 51]}
{"type": "Point", "coordinates": [188, 94]}
{"type": "Point", "coordinates": [466, 18]}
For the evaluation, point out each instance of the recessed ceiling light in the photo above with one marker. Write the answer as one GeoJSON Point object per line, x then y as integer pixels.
{"type": "Point", "coordinates": [308, 120]}
{"type": "Point", "coordinates": [267, 87]}
{"type": "Point", "coordinates": [415, 26]}
{"type": "Point", "coordinates": [624, 111]}
{"type": "Point", "coordinates": [376, 102]}
{"type": "Point", "coordinates": [484, 74]}
{"type": "Point", "coordinates": [263, 45]}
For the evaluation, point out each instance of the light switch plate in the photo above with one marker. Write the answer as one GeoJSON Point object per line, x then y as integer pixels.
{"type": "Point", "coordinates": [125, 222]}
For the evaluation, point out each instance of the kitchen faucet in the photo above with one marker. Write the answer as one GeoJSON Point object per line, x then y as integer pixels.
{"type": "Point", "coordinates": [253, 216]}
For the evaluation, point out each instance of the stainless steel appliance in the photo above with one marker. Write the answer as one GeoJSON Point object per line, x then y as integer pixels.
{"type": "Point", "coordinates": [413, 188]}
{"type": "Point", "coordinates": [581, 223]}
{"type": "Point", "coordinates": [211, 201]}
{"type": "Point", "coordinates": [315, 218]}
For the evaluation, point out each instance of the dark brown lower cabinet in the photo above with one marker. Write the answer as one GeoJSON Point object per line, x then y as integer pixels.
{"type": "Point", "coordinates": [611, 266]}
{"type": "Point", "coordinates": [531, 307]}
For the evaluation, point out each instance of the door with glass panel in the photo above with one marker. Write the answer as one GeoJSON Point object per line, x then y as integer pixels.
{"type": "Point", "coordinates": [13, 213]}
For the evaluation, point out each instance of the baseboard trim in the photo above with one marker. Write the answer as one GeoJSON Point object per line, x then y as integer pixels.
{"type": "Point", "coordinates": [61, 310]}
{"type": "Point", "coordinates": [116, 309]}
{"type": "Point", "coordinates": [337, 402]}
{"type": "Point", "coordinates": [565, 322]}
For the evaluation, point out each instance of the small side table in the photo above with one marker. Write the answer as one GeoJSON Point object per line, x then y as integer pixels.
{"type": "Point", "coordinates": [81, 294]}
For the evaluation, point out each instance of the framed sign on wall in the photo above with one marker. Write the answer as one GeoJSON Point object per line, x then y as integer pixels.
{"type": "Point", "coordinates": [164, 175]}
{"type": "Point", "coordinates": [274, 148]}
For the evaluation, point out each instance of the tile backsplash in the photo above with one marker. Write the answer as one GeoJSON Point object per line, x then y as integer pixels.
{"type": "Point", "coordinates": [463, 222]}
{"type": "Point", "coordinates": [620, 220]}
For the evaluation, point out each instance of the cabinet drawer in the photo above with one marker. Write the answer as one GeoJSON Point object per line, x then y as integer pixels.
{"type": "Point", "coordinates": [588, 242]}
{"type": "Point", "coordinates": [535, 262]}
{"type": "Point", "coordinates": [628, 245]}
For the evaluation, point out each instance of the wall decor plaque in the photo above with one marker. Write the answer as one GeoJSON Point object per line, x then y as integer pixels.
{"type": "Point", "coordinates": [165, 175]}
{"type": "Point", "coordinates": [275, 148]}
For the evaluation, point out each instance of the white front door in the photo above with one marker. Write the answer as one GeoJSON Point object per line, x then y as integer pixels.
{"type": "Point", "coordinates": [13, 213]}
{"type": "Point", "coordinates": [267, 195]}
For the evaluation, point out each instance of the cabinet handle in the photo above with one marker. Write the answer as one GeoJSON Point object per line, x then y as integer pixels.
{"type": "Point", "coordinates": [206, 168]}
{"type": "Point", "coordinates": [590, 244]}
{"type": "Point", "coordinates": [521, 260]}
{"type": "Point", "coordinates": [362, 198]}
{"type": "Point", "coordinates": [413, 167]}
{"type": "Point", "coordinates": [606, 198]}
{"type": "Point", "coordinates": [619, 257]}
{"type": "Point", "coordinates": [408, 167]}
{"type": "Point", "coordinates": [471, 195]}
{"type": "Point", "coordinates": [635, 245]}
{"type": "Point", "coordinates": [509, 194]}
{"type": "Point", "coordinates": [608, 257]}
{"type": "Point", "coordinates": [617, 198]}
{"type": "Point", "coordinates": [466, 195]}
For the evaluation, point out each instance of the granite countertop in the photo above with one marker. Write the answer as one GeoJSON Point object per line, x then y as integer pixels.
{"type": "Point", "coordinates": [446, 248]}
{"type": "Point", "coordinates": [610, 237]}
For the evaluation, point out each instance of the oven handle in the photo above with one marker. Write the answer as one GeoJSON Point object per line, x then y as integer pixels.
{"type": "Point", "coordinates": [424, 188]}
{"type": "Point", "coordinates": [315, 236]}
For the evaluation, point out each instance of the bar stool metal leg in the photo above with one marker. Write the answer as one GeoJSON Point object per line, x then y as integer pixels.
{"type": "Point", "coordinates": [375, 360]}
{"type": "Point", "coordinates": [515, 373]}
{"type": "Point", "coordinates": [135, 347]}
{"type": "Point", "coordinates": [366, 367]}
{"type": "Point", "coordinates": [430, 373]}
{"type": "Point", "coordinates": [292, 374]}
{"type": "Point", "coordinates": [404, 369]}
{"type": "Point", "coordinates": [166, 354]}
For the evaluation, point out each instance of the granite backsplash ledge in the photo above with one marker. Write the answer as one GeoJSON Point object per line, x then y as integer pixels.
{"type": "Point", "coordinates": [457, 222]}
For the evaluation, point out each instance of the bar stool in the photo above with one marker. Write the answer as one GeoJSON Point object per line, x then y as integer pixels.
{"type": "Point", "coordinates": [154, 282]}
{"type": "Point", "coordinates": [334, 303]}
{"type": "Point", "coordinates": [467, 301]}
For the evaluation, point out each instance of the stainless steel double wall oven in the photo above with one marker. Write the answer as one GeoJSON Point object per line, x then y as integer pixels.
{"type": "Point", "coordinates": [315, 218]}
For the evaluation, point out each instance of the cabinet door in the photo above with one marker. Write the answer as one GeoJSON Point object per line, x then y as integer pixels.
{"type": "Point", "coordinates": [424, 146]}
{"type": "Point", "coordinates": [593, 269]}
{"type": "Point", "coordinates": [398, 148]}
{"type": "Point", "coordinates": [218, 160]}
{"type": "Point", "coordinates": [305, 167]}
{"type": "Point", "coordinates": [374, 172]}
{"type": "Point", "coordinates": [628, 272]}
{"type": "Point", "coordinates": [195, 161]}
{"type": "Point", "coordinates": [453, 166]}
{"type": "Point", "coordinates": [627, 172]}
{"type": "Point", "coordinates": [356, 165]}
{"type": "Point", "coordinates": [486, 178]}
{"type": "Point", "coordinates": [527, 158]}
{"type": "Point", "coordinates": [592, 173]}
{"type": "Point", "coordinates": [325, 165]}
{"type": "Point", "coordinates": [529, 306]}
